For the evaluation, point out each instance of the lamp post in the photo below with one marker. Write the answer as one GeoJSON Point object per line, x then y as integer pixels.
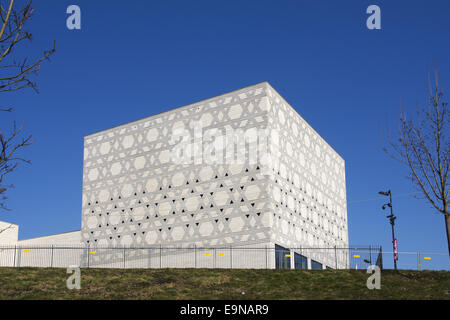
{"type": "Point", "coordinates": [391, 218]}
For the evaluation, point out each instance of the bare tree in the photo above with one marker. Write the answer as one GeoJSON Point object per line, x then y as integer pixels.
{"type": "Point", "coordinates": [9, 159]}
{"type": "Point", "coordinates": [423, 146]}
{"type": "Point", "coordinates": [15, 74]}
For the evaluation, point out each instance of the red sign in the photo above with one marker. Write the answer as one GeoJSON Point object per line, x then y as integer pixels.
{"type": "Point", "coordinates": [394, 242]}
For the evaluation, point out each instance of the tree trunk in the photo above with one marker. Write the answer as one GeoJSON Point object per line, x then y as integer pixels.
{"type": "Point", "coordinates": [447, 225]}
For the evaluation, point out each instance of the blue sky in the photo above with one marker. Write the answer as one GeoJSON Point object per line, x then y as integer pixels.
{"type": "Point", "coordinates": [134, 59]}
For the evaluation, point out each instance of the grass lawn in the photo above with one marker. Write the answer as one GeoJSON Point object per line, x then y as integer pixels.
{"type": "Point", "coordinates": [42, 283]}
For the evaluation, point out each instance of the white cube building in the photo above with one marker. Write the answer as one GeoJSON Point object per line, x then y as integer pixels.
{"type": "Point", "coordinates": [240, 170]}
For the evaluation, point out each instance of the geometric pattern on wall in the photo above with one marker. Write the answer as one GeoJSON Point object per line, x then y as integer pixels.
{"type": "Point", "coordinates": [133, 195]}
{"type": "Point", "coordinates": [307, 187]}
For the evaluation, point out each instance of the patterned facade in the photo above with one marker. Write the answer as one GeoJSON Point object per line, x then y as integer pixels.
{"type": "Point", "coordinates": [135, 195]}
{"type": "Point", "coordinates": [307, 188]}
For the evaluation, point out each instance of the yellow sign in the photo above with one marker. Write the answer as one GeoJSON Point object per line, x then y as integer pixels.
{"type": "Point", "coordinates": [287, 255]}
{"type": "Point", "coordinates": [427, 258]}
{"type": "Point", "coordinates": [221, 254]}
{"type": "Point", "coordinates": [26, 250]}
{"type": "Point", "coordinates": [207, 254]}
{"type": "Point", "coordinates": [356, 256]}
{"type": "Point", "coordinates": [91, 252]}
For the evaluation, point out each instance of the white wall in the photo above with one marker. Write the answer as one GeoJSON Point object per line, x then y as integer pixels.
{"type": "Point", "coordinates": [56, 250]}
{"type": "Point", "coordinates": [8, 238]}
{"type": "Point", "coordinates": [307, 187]}
{"type": "Point", "coordinates": [59, 239]}
{"type": "Point", "coordinates": [9, 234]}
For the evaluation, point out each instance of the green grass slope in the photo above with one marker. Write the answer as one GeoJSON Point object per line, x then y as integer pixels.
{"type": "Point", "coordinates": [39, 283]}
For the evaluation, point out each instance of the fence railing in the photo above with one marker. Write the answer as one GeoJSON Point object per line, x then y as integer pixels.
{"type": "Point", "coordinates": [267, 257]}
{"type": "Point", "coordinates": [418, 260]}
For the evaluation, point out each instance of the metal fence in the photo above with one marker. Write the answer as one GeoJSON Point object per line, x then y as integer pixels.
{"type": "Point", "coordinates": [418, 260]}
{"type": "Point", "coordinates": [413, 260]}
{"type": "Point", "coordinates": [267, 257]}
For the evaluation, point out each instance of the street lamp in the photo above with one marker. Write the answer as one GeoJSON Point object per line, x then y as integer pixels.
{"type": "Point", "coordinates": [391, 218]}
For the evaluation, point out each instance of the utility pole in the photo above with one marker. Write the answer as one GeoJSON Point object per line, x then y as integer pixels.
{"type": "Point", "coordinates": [391, 218]}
